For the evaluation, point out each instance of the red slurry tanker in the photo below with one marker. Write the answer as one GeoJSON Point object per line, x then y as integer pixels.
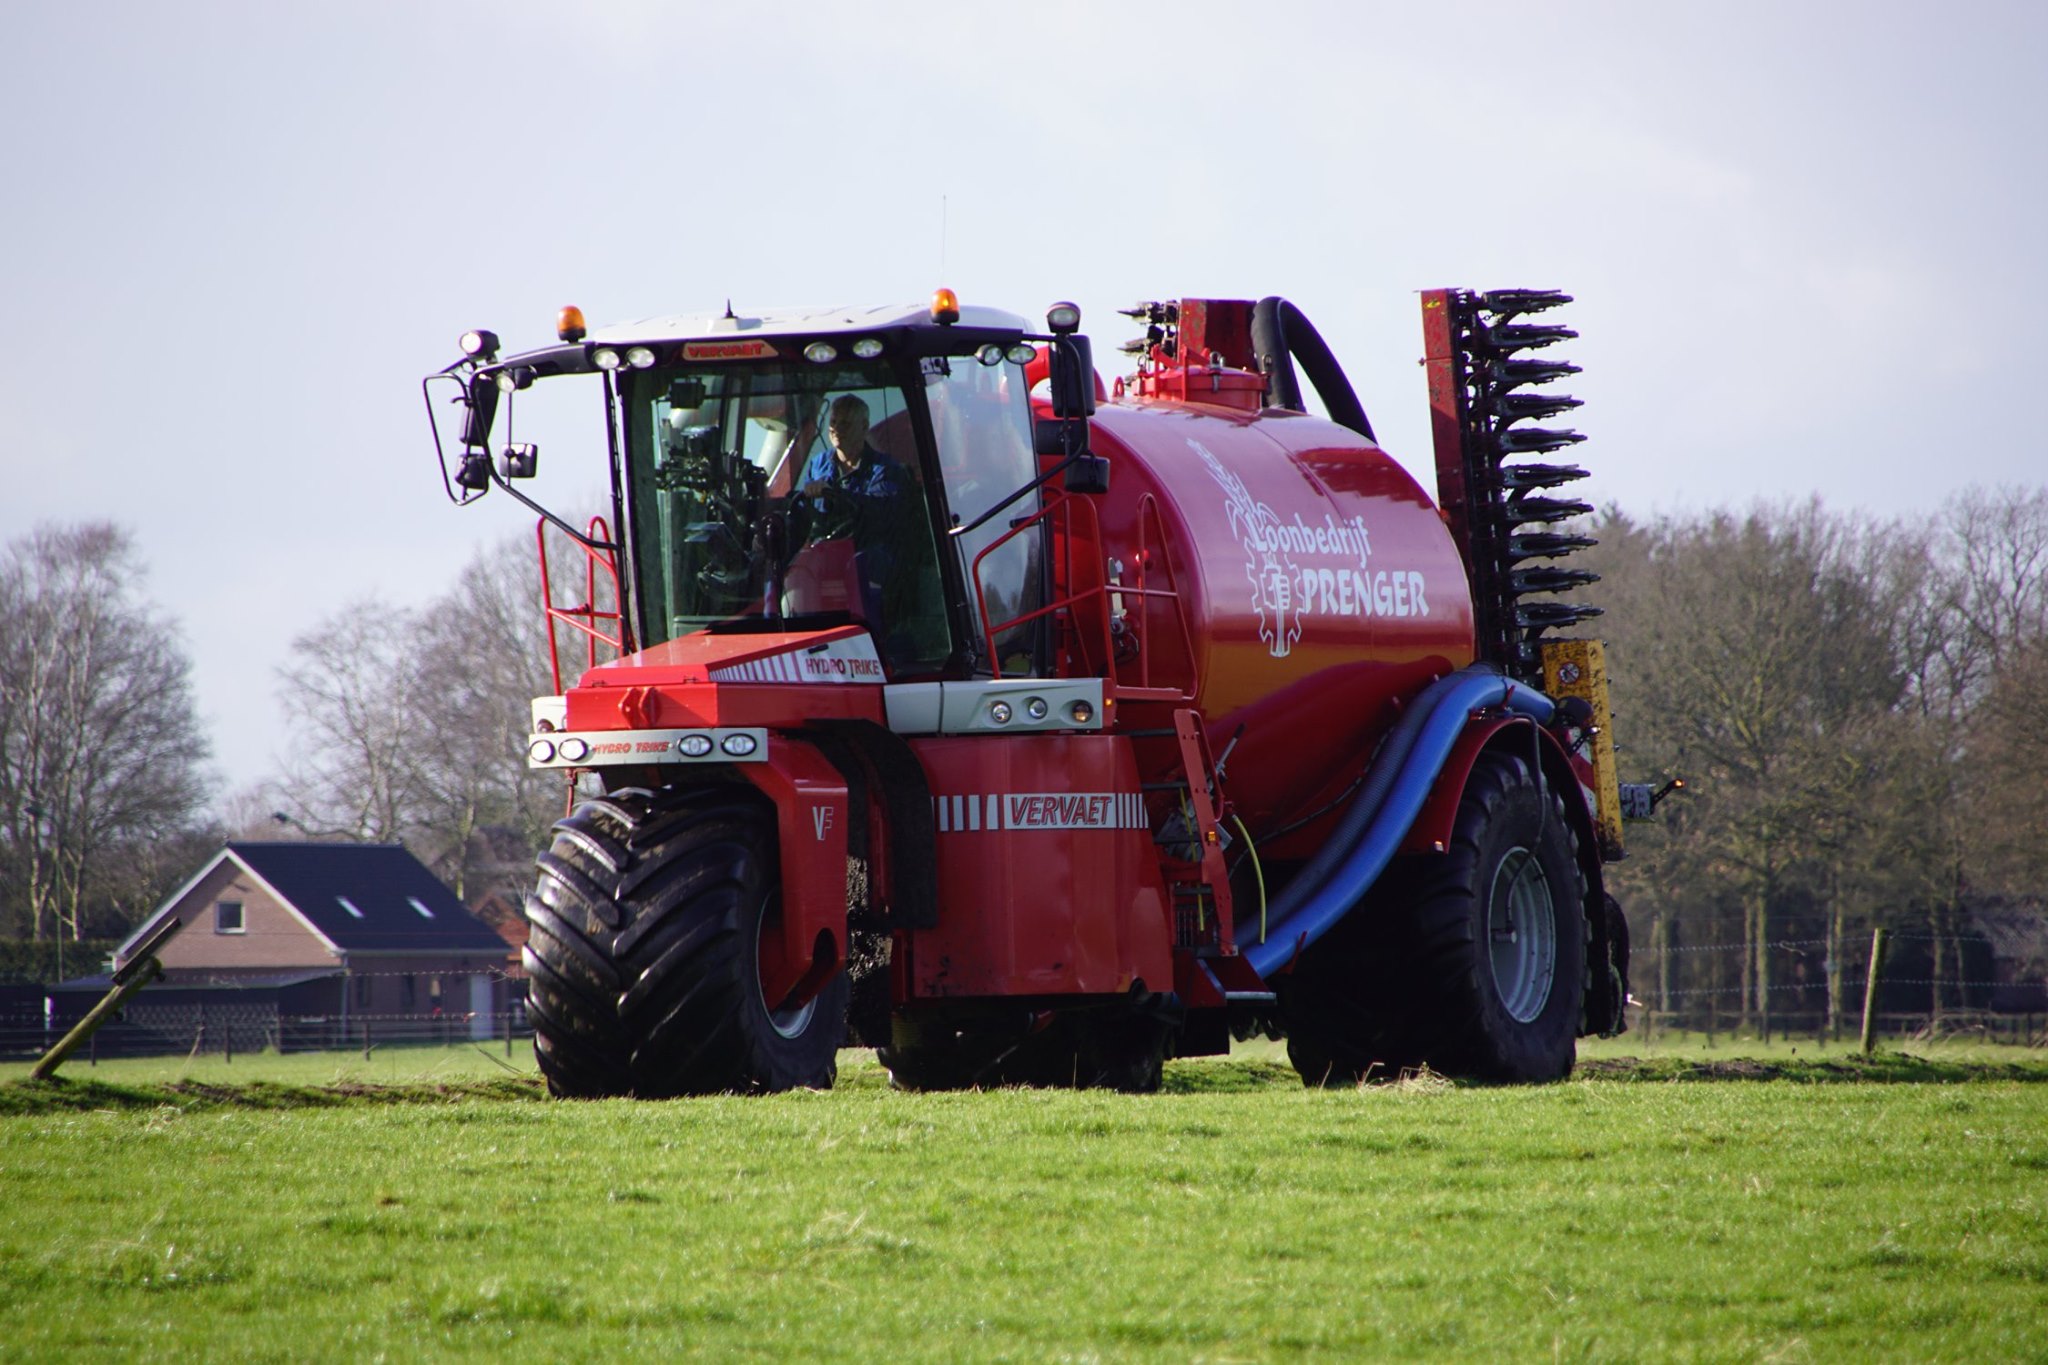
{"type": "Point", "coordinates": [943, 699]}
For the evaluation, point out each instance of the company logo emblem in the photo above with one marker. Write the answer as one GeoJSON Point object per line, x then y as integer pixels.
{"type": "Point", "coordinates": [851, 660]}
{"type": "Point", "coordinates": [1298, 569]}
{"type": "Point", "coordinates": [751, 349]}
{"type": "Point", "coordinates": [821, 821]}
{"type": "Point", "coordinates": [978, 811]}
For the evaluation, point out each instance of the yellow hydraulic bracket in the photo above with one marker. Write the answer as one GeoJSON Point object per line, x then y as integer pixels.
{"type": "Point", "coordinates": [1578, 668]}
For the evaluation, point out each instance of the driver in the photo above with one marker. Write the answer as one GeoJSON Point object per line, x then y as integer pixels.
{"type": "Point", "coordinates": [849, 465]}
{"type": "Point", "coordinates": [860, 493]}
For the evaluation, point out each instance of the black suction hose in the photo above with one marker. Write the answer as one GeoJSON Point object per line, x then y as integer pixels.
{"type": "Point", "coordinates": [1281, 335]}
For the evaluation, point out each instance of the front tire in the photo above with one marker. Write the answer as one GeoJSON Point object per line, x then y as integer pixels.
{"type": "Point", "coordinates": [644, 953]}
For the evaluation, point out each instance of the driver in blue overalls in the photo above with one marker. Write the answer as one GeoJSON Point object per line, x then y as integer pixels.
{"type": "Point", "coordinates": [858, 492]}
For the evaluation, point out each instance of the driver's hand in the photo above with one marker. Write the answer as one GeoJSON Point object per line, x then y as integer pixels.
{"type": "Point", "coordinates": [816, 488]}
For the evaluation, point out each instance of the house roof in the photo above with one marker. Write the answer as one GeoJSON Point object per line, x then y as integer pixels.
{"type": "Point", "coordinates": [2016, 927]}
{"type": "Point", "coordinates": [360, 898]}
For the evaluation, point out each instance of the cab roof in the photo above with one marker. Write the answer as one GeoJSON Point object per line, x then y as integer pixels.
{"type": "Point", "coordinates": [811, 321]}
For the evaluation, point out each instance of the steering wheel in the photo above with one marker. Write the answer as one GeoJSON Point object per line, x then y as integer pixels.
{"type": "Point", "coordinates": [828, 506]}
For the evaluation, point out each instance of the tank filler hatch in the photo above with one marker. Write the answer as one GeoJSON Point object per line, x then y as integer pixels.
{"type": "Point", "coordinates": [1195, 351]}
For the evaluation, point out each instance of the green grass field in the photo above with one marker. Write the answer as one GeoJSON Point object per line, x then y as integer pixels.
{"type": "Point", "coordinates": [431, 1203]}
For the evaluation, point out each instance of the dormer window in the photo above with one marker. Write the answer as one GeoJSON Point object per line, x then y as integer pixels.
{"type": "Point", "coordinates": [227, 918]}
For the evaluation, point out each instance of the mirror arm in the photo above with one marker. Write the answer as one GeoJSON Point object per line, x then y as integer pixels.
{"type": "Point", "coordinates": [1048, 475]}
{"type": "Point", "coordinates": [581, 538]}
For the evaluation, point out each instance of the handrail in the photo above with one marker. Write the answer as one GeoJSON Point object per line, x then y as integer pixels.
{"type": "Point", "coordinates": [584, 618]}
{"type": "Point", "coordinates": [1149, 515]}
{"type": "Point", "coordinates": [1069, 508]}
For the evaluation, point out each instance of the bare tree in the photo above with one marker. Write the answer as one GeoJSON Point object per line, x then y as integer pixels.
{"type": "Point", "coordinates": [100, 750]}
{"type": "Point", "coordinates": [1995, 546]}
{"type": "Point", "coordinates": [411, 726]}
{"type": "Point", "coordinates": [2005, 799]}
{"type": "Point", "coordinates": [1995, 584]}
{"type": "Point", "coordinates": [484, 645]}
{"type": "Point", "coordinates": [353, 691]}
{"type": "Point", "coordinates": [1759, 660]}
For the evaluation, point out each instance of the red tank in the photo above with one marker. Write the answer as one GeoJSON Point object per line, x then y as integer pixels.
{"type": "Point", "coordinates": [1313, 581]}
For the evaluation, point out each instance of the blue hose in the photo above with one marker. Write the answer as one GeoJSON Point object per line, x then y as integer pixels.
{"type": "Point", "coordinates": [1394, 794]}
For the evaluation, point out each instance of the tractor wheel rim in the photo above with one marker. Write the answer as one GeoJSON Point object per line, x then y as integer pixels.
{"type": "Point", "coordinates": [1521, 926]}
{"type": "Point", "coordinates": [792, 1022]}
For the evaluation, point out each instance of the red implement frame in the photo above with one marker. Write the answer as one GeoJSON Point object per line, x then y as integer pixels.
{"type": "Point", "coordinates": [587, 617]}
{"type": "Point", "coordinates": [1446, 376]}
{"type": "Point", "coordinates": [1206, 879]}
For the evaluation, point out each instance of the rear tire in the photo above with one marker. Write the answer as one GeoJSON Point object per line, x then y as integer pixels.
{"type": "Point", "coordinates": [1472, 962]}
{"type": "Point", "coordinates": [643, 953]}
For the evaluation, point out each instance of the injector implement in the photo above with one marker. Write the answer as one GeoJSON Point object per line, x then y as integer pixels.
{"type": "Point", "coordinates": [938, 696]}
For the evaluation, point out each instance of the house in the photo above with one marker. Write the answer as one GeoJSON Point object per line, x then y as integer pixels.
{"type": "Point", "coordinates": [2015, 928]}
{"type": "Point", "coordinates": [355, 934]}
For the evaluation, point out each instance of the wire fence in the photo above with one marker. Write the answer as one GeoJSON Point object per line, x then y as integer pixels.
{"type": "Point", "coordinates": [1928, 986]}
{"type": "Point", "coordinates": [233, 1030]}
{"type": "Point", "coordinates": [368, 1009]}
{"type": "Point", "coordinates": [225, 1015]}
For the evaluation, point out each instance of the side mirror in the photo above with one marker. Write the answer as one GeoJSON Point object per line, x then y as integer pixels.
{"type": "Point", "coordinates": [519, 461]}
{"type": "Point", "coordinates": [1050, 436]}
{"type": "Point", "coordinates": [474, 473]}
{"type": "Point", "coordinates": [1072, 376]}
{"type": "Point", "coordinates": [1088, 474]}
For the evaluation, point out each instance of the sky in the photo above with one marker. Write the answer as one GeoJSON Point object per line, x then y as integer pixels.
{"type": "Point", "coordinates": [1805, 239]}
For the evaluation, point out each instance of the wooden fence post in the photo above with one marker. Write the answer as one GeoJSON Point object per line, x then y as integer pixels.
{"type": "Point", "coordinates": [1877, 946]}
{"type": "Point", "coordinates": [144, 970]}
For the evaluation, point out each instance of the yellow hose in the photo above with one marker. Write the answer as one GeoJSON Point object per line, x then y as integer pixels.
{"type": "Point", "coordinates": [1258, 873]}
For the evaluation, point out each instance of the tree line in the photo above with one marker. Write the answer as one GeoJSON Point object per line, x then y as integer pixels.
{"type": "Point", "coordinates": [407, 725]}
{"type": "Point", "coordinates": [1859, 711]}
{"type": "Point", "coordinates": [1859, 708]}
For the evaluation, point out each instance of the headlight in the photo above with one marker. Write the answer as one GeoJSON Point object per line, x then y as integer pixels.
{"type": "Point", "coordinates": [821, 353]}
{"type": "Point", "coordinates": [1081, 712]}
{"type": "Point", "coordinates": [1035, 708]}
{"type": "Point", "coordinates": [640, 358]}
{"type": "Point", "coordinates": [739, 746]}
{"type": "Point", "coordinates": [694, 746]}
{"type": "Point", "coordinates": [1022, 353]}
{"type": "Point", "coordinates": [867, 348]}
{"type": "Point", "coordinates": [541, 751]}
{"type": "Point", "coordinates": [605, 359]}
{"type": "Point", "coordinates": [999, 712]}
{"type": "Point", "coordinates": [575, 750]}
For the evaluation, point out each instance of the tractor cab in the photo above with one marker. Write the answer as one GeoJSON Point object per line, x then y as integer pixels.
{"type": "Point", "coordinates": [802, 472]}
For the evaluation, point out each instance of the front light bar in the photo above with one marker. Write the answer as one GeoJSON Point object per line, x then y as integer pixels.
{"type": "Point", "coordinates": [618, 748]}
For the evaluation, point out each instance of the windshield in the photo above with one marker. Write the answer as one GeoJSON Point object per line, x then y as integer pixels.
{"type": "Point", "coordinates": [783, 491]}
{"type": "Point", "coordinates": [796, 492]}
